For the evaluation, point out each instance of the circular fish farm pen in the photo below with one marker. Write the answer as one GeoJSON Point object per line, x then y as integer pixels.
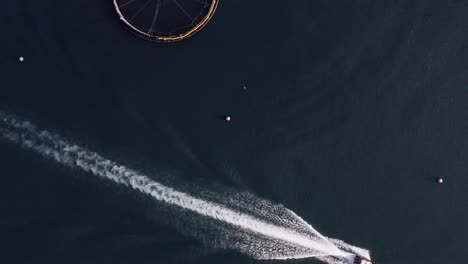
{"type": "Point", "coordinates": [165, 20]}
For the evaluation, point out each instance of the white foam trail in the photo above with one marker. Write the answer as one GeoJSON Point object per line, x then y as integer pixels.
{"type": "Point", "coordinates": [54, 147]}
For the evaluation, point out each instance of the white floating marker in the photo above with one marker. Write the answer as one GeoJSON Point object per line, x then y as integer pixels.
{"type": "Point", "coordinates": [228, 118]}
{"type": "Point", "coordinates": [440, 180]}
{"type": "Point", "coordinates": [21, 59]}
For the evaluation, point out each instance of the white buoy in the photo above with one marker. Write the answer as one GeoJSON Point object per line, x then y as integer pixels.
{"type": "Point", "coordinates": [440, 180]}
{"type": "Point", "coordinates": [228, 118]}
{"type": "Point", "coordinates": [245, 87]}
{"type": "Point", "coordinates": [21, 59]}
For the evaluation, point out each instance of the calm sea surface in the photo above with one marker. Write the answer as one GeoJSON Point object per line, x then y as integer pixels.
{"type": "Point", "coordinates": [352, 108]}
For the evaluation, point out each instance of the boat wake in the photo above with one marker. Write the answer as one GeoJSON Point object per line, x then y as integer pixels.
{"type": "Point", "coordinates": [234, 221]}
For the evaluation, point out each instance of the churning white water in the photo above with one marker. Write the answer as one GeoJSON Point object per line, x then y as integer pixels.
{"type": "Point", "coordinates": [253, 226]}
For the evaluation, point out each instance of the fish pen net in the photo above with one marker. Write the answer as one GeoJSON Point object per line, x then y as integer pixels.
{"type": "Point", "coordinates": [165, 20]}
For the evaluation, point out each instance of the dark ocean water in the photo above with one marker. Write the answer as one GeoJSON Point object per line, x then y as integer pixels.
{"type": "Point", "coordinates": [352, 108]}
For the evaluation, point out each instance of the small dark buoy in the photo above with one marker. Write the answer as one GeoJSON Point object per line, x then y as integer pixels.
{"type": "Point", "coordinates": [440, 180]}
{"type": "Point", "coordinates": [228, 118]}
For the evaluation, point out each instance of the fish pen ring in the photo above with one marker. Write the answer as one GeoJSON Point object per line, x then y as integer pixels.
{"type": "Point", "coordinates": [165, 20]}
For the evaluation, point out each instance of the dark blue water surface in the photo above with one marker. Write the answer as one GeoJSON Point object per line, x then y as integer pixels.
{"type": "Point", "coordinates": [352, 108]}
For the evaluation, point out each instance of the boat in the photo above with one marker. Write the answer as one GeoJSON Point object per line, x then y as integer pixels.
{"type": "Point", "coordinates": [351, 254]}
{"type": "Point", "coordinates": [362, 260]}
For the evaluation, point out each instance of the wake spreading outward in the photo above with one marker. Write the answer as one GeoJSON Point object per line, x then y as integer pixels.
{"type": "Point", "coordinates": [241, 222]}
